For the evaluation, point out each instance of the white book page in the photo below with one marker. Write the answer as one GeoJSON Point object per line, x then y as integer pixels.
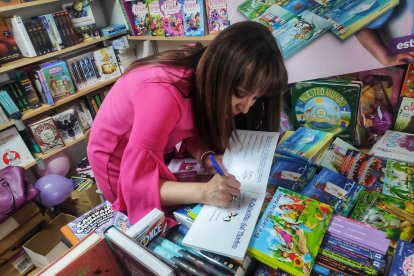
{"type": "Point", "coordinates": [228, 231]}
{"type": "Point", "coordinates": [250, 159]}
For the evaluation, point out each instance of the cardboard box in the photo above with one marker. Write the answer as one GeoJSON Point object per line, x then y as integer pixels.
{"type": "Point", "coordinates": [22, 232]}
{"type": "Point", "coordinates": [19, 265]}
{"type": "Point", "coordinates": [80, 202]}
{"type": "Point", "coordinates": [47, 245]}
{"type": "Point", "coordinates": [18, 218]}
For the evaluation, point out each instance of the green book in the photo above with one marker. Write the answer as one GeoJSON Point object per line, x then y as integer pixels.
{"type": "Point", "coordinates": [330, 106]}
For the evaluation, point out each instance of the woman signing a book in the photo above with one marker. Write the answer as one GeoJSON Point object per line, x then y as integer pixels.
{"type": "Point", "coordinates": [191, 95]}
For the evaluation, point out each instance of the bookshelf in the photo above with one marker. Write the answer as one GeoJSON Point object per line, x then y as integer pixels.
{"type": "Point", "coordinates": [26, 5]}
{"type": "Point", "coordinates": [208, 37]}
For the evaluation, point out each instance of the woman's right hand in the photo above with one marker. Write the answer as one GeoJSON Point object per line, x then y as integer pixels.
{"type": "Point", "coordinates": [219, 191]}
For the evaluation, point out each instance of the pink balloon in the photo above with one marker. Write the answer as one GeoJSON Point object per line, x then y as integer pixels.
{"type": "Point", "coordinates": [56, 164]}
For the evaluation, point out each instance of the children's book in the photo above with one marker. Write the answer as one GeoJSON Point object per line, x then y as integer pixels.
{"type": "Point", "coordinates": [95, 220]}
{"type": "Point", "coordinates": [393, 216]}
{"type": "Point", "coordinates": [227, 231]}
{"type": "Point", "coordinates": [404, 120]}
{"type": "Point", "coordinates": [334, 154]}
{"type": "Point", "coordinates": [81, 15]}
{"type": "Point", "coordinates": [407, 88]}
{"type": "Point", "coordinates": [68, 125]}
{"type": "Point", "coordinates": [300, 31]}
{"type": "Point", "coordinates": [330, 106]}
{"type": "Point", "coordinates": [290, 231]}
{"type": "Point", "coordinates": [350, 16]}
{"type": "Point", "coordinates": [334, 189]}
{"type": "Point", "coordinates": [305, 144]}
{"type": "Point", "coordinates": [399, 180]}
{"type": "Point", "coordinates": [254, 8]}
{"type": "Point", "coordinates": [139, 10]}
{"type": "Point", "coordinates": [403, 261]}
{"type": "Point", "coordinates": [189, 170]}
{"type": "Point", "coordinates": [46, 135]}
{"type": "Point", "coordinates": [106, 63]}
{"type": "Point", "coordinates": [395, 145]}
{"type": "Point", "coordinates": [194, 22]}
{"type": "Point", "coordinates": [217, 15]}
{"type": "Point", "coordinates": [13, 150]}
{"type": "Point", "coordinates": [172, 17]}
{"type": "Point", "coordinates": [156, 24]}
{"type": "Point", "coordinates": [274, 17]}
{"type": "Point", "coordinates": [57, 78]}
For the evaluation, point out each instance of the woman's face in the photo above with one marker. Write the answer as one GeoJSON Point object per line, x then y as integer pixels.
{"type": "Point", "coordinates": [242, 105]}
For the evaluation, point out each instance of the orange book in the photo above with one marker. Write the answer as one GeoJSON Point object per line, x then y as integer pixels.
{"type": "Point", "coordinates": [407, 89]}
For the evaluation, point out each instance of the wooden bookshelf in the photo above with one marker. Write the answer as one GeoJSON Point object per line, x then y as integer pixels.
{"type": "Point", "coordinates": [26, 5]}
{"type": "Point", "coordinates": [40, 156]}
{"type": "Point", "coordinates": [45, 107]}
{"type": "Point", "coordinates": [29, 60]}
{"type": "Point", "coordinates": [208, 37]}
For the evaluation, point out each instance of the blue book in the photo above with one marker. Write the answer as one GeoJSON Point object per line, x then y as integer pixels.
{"type": "Point", "coordinates": [334, 189]}
{"type": "Point", "coordinates": [403, 261]}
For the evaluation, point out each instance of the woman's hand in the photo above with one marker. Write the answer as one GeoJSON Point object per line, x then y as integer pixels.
{"type": "Point", "coordinates": [219, 191]}
{"type": "Point", "coordinates": [208, 166]}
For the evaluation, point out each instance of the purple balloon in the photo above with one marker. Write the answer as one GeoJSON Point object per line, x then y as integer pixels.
{"type": "Point", "coordinates": [58, 163]}
{"type": "Point", "coordinates": [54, 189]}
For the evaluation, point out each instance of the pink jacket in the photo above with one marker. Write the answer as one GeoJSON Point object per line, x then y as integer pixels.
{"type": "Point", "coordinates": [141, 119]}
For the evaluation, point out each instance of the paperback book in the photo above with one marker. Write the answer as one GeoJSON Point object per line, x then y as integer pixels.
{"type": "Point", "coordinates": [194, 22]}
{"type": "Point", "coordinates": [407, 88]}
{"type": "Point", "coordinates": [404, 120]}
{"type": "Point", "coordinates": [217, 15]}
{"type": "Point", "coordinates": [403, 261]}
{"type": "Point", "coordinates": [395, 145]}
{"type": "Point", "coordinates": [334, 189]}
{"type": "Point", "coordinates": [172, 17]}
{"type": "Point", "coordinates": [106, 63]}
{"type": "Point", "coordinates": [141, 17]}
{"type": "Point", "coordinates": [330, 106]}
{"type": "Point", "coordinates": [68, 125]}
{"type": "Point", "coordinates": [399, 180]}
{"type": "Point", "coordinates": [81, 15]}
{"type": "Point", "coordinates": [156, 26]}
{"type": "Point", "coordinates": [290, 231]}
{"type": "Point", "coordinates": [57, 78]}
{"type": "Point", "coordinates": [46, 135]}
{"type": "Point", "coordinates": [334, 154]}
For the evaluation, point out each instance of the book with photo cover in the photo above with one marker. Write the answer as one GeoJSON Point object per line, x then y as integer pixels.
{"type": "Point", "coordinates": [46, 135]}
{"type": "Point", "coordinates": [68, 125]}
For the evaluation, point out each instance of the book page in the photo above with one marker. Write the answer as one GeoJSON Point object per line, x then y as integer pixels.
{"type": "Point", "coordinates": [250, 159]}
{"type": "Point", "coordinates": [228, 231]}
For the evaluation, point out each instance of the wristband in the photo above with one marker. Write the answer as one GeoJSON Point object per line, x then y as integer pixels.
{"type": "Point", "coordinates": [204, 155]}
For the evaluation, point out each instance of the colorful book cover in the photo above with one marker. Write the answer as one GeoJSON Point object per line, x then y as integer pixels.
{"type": "Point", "coordinates": [97, 220]}
{"type": "Point", "coordinates": [329, 106]}
{"type": "Point", "coordinates": [290, 231]}
{"type": "Point", "coordinates": [334, 189]}
{"type": "Point", "coordinates": [106, 63]}
{"type": "Point", "coordinates": [172, 17]}
{"type": "Point", "coordinates": [156, 24]}
{"type": "Point", "coordinates": [81, 16]}
{"type": "Point", "coordinates": [305, 143]}
{"type": "Point", "coordinates": [68, 125]}
{"type": "Point", "coordinates": [217, 15]}
{"type": "Point", "coordinates": [299, 31]}
{"type": "Point", "coordinates": [407, 88]}
{"type": "Point", "coordinates": [395, 145]}
{"type": "Point", "coordinates": [399, 180]}
{"type": "Point", "coordinates": [254, 8]}
{"type": "Point", "coordinates": [274, 17]}
{"type": "Point", "coordinates": [46, 135]}
{"type": "Point", "coordinates": [404, 121]}
{"type": "Point", "coordinates": [188, 170]}
{"type": "Point", "coordinates": [333, 154]}
{"type": "Point", "coordinates": [350, 16]}
{"type": "Point", "coordinates": [141, 15]}
{"type": "Point", "coordinates": [194, 23]}
{"type": "Point", "coordinates": [13, 150]}
{"type": "Point", "coordinates": [403, 261]}
{"type": "Point", "coordinates": [393, 216]}
{"type": "Point", "coordinates": [8, 47]}
{"type": "Point", "coordinates": [58, 80]}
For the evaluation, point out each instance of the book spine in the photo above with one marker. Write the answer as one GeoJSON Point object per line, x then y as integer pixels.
{"type": "Point", "coordinates": [22, 37]}
{"type": "Point", "coordinates": [94, 104]}
{"type": "Point", "coordinates": [98, 100]}
{"type": "Point", "coordinates": [9, 105]}
{"type": "Point", "coordinates": [61, 29]}
{"type": "Point", "coordinates": [20, 95]}
{"type": "Point", "coordinates": [126, 16]}
{"type": "Point", "coordinates": [48, 94]}
{"type": "Point", "coordinates": [71, 31]}
{"type": "Point", "coordinates": [3, 116]}
{"type": "Point", "coordinates": [13, 95]}
{"type": "Point", "coordinates": [54, 31]}
{"type": "Point", "coordinates": [325, 265]}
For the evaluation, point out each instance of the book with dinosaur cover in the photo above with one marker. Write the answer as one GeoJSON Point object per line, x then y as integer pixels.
{"type": "Point", "coordinates": [290, 231]}
{"type": "Point", "coordinates": [330, 106]}
{"type": "Point", "coordinates": [334, 189]}
{"type": "Point", "coordinates": [391, 215]}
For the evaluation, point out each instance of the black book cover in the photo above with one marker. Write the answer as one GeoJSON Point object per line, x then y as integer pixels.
{"type": "Point", "coordinates": [61, 29]}
{"type": "Point", "coordinates": [30, 28]}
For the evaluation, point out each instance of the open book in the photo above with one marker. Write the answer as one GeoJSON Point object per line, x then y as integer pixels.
{"type": "Point", "coordinates": [228, 231]}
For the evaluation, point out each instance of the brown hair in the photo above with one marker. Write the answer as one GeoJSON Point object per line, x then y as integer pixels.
{"type": "Point", "coordinates": [241, 60]}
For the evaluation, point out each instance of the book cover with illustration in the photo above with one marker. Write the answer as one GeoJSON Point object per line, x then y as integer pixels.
{"type": "Point", "coordinates": [333, 154]}
{"type": "Point", "coordinates": [254, 8]}
{"type": "Point", "coordinates": [96, 220]}
{"type": "Point", "coordinates": [350, 16]}
{"type": "Point", "coordinates": [106, 63]}
{"type": "Point", "coordinates": [403, 261]}
{"type": "Point", "coordinates": [299, 31]}
{"type": "Point", "coordinates": [194, 22]}
{"type": "Point", "coordinates": [395, 145]}
{"type": "Point", "coordinates": [57, 79]}
{"type": "Point", "coordinates": [217, 15]}
{"type": "Point", "coordinates": [156, 24]}
{"type": "Point", "coordinates": [407, 88]}
{"type": "Point", "coordinates": [172, 17]}
{"type": "Point", "coordinates": [334, 189]}
{"type": "Point", "coordinates": [290, 231]}
{"type": "Point", "coordinates": [81, 16]}
{"type": "Point", "coordinates": [391, 215]}
{"type": "Point", "coordinates": [274, 17]}
{"type": "Point", "coordinates": [399, 180]}
{"type": "Point", "coordinates": [404, 120]}
{"type": "Point", "coordinates": [68, 125]}
{"type": "Point", "coordinates": [330, 106]}
{"type": "Point", "coordinates": [305, 144]}
{"type": "Point", "coordinates": [8, 47]}
{"type": "Point", "coordinates": [46, 135]}
{"type": "Point", "coordinates": [139, 10]}
{"type": "Point", "coordinates": [13, 150]}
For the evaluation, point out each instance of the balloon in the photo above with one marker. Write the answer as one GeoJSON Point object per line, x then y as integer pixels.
{"type": "Point", "coordinates": [54, 189]}
{"type": "Point", "coordinates": [56, 164]}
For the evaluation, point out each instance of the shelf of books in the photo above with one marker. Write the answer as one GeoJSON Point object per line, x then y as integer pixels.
{"type": "Point", "coordinates": [45, 107]}
{"type": "Point", "coordinates": [174, 38]}
{"type": "Point", "coordinates": [26, 5]}
{"type": "Point", "coordinates": [30, 60]}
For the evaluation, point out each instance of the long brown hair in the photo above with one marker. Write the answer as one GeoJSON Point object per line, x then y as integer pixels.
{"type": "Point", "coordinates": [241, 60]}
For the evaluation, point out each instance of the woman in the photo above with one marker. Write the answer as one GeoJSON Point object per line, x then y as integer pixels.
{"type": "Point", "coordinates": [189, 94]}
